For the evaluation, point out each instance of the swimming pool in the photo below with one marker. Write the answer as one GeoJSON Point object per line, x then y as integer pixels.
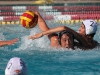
{"type": "Point", "coordinates": [41, 59]}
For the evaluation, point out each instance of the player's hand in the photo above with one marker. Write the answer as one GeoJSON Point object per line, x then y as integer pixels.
{"type": "Point", "coordinates": [35, 36]}
{"type": "Point", "coordinates": [13, 41]}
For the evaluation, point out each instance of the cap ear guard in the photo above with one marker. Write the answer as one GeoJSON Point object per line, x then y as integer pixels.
{"type": "Point", "coordinates": [59, 38]}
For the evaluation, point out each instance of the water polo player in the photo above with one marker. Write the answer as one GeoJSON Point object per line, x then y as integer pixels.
{"type": "Point", "coordinates": [84, 36]}
{"type": "Point", "coordinates": [16, 66]}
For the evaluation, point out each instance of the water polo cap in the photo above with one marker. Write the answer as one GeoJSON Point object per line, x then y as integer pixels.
{"type": "Point", "coordinates": [90, 26]}
{"type": "Point", "coordinates": [16, 66]}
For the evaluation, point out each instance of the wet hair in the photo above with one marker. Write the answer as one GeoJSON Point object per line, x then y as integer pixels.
{"type": "Point", "coordinates": [64, 32]}
{"type": "Point", "coordinates": [92, 35]}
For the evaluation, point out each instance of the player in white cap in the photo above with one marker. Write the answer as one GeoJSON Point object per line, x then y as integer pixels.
{"type": "Point", "coordinates": [16, 66]}
{"type": "Point", "coordinates": [84, 36]}
{"type": "Point", "coordinates": [90, 26]}
{"type": "Point", "coordinates": [88, 30]}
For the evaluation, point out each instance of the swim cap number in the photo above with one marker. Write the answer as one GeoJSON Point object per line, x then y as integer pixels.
{"type": "Point", "coordinates": [92, 23]}
{"type": "Point", "coordinates": [9, 65]}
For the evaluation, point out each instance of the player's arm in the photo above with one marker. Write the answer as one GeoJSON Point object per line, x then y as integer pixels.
{"type": "Point", "coordinates": [48, 32]}
{"type": "Point", "coordinates": [41, 23]}
{"type": "Point", "coordinates": [8, 42]}
{"type": "Point", "coordinates": [59, 29]}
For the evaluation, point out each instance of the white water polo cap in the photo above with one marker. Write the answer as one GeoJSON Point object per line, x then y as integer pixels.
{"type": "Point", "coordinates": [16, 66]}
{"type": "Point", "coordinates": [90, 26]}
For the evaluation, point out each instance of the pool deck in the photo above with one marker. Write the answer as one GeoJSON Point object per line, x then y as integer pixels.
{"type": "Point", "coordinates": [33, 2]}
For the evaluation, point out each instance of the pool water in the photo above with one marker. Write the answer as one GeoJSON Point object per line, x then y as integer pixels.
{"type": "Point", "coordinates": [41, 59]}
